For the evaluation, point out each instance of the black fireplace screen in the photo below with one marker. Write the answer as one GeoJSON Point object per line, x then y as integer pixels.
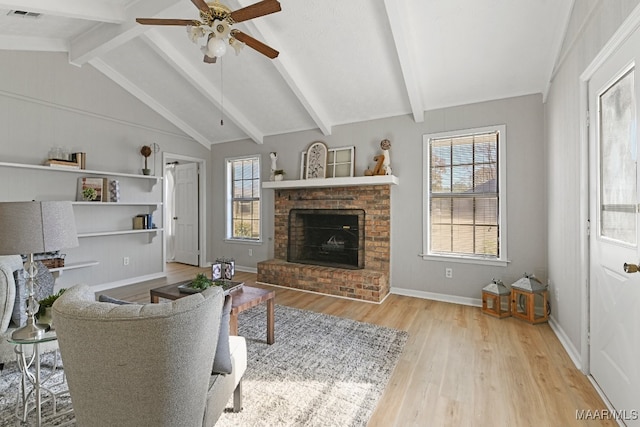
{"type": "Point", "coordinates": [329, 237]}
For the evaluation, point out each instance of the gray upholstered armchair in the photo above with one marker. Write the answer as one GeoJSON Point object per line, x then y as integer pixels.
{"type": "Point", "coordinates": [145, 364]}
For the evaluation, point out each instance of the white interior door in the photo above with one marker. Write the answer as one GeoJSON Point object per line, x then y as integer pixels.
{"type": "Point", "coordinates": [185, 218]}
{"type": "Point", "coordinates": [615, 294]}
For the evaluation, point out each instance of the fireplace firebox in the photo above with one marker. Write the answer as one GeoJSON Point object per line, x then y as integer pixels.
{"type": "Point", "coordinates": [327, 237]}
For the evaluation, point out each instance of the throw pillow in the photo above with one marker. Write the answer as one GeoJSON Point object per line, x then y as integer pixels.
{"type": "Point", "coordinates": [45, 281]}
{"type": "Point", "coordinates": [222, 360]}
{"type": "Point", "coordinates": [105, 298]}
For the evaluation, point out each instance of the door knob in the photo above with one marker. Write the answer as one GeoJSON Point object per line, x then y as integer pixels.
{"type": "Point", "coordinates": [631, 268]}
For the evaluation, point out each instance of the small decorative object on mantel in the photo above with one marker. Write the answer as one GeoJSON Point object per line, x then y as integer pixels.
{"type": "Point", "coordinates": [496, 299]}
{"type": "Point", "coordinates": [385, 144]}
{"type": "Point", "coordinates": [274, 160]}
{"type": "Point", "coordinates": [316, 160]}
{"type": "Point", "coordinates": [529, 299]}
{"type": "Point", "coordinates": [146, 152]}
{"type": "Point", "coordinates": [278, 175]}
{"type": "Point", "coordinates": [383, 161]}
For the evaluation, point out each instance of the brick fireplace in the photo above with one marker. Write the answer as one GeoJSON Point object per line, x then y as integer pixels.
{"type": "Point", "coordinates": [370, 283]}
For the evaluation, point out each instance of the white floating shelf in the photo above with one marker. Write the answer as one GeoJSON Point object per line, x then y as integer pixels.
{"type": "Point", "coordinates": [73, 266]}
{"type": "Point", "coordinates": [79, 171]}
{"type": "Point", "coordinates": [116, 204]}
{"type": "Point", "coordinates": [118, 232]}
{"type": "Point", "coordinates": [333, 182]}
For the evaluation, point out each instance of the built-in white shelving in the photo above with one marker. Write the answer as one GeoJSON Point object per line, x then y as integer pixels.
{"type": "Point", "coordinates": [98, 219]}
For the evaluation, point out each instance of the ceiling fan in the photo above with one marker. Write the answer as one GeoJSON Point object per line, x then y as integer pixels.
{"type": "Point", "coordinates": [217, 20]}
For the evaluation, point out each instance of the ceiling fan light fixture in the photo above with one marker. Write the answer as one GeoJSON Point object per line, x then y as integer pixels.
{"type": "Point", "coordinates": [215, 23]}
{"type": "Point", "coordinates": [236, 44]}
{"type": "Point", "coordinates": [221, 29]}
{"type": "Point", "coordinates": [195, 33]}
{"type": "Point", "coordinates": [216, 47]}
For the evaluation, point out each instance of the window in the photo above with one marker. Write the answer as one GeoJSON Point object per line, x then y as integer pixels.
{"type": "Point", "coordinates": [465, 208]}
{"type": "Point", "coordinates": [243, 198]}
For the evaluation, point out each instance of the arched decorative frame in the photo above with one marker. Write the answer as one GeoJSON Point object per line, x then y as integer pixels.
{"type": "Point", "coordinates": [316, 160]}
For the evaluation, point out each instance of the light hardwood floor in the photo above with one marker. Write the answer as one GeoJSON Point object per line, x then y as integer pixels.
{"type": "Point", "coordinates": [459, 367]}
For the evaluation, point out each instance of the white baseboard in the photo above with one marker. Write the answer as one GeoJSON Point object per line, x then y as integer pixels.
{"type": "Point", "coordinates": [247, 269]}
{"type": "Point", "coordinates": [473, 302]}
{"type": "Point", "coordinates": [125, 282]}
{"type": "Point", "coordinates": [571, 350]}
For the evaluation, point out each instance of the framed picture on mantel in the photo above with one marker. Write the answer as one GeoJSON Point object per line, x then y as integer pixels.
{"type": "Point", "coordinates": [340, 162]}
{"type": "Point", "coordinates": [316, 160]}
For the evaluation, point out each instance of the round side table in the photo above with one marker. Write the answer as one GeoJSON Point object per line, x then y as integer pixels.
{"type": "Point", "coordinates": [29, 364]}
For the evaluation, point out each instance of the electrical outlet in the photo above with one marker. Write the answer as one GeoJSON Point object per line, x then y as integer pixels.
{"type": "Point", "coordinates": [125, 260]}
{"type": "Point", "coordinates": [250, 252]}
{"type": "Point", "coordinates": [448, 273]}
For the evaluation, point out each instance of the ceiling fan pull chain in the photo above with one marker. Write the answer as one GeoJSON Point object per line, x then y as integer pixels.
{"type": "Point", "coordinates": [221, 95]}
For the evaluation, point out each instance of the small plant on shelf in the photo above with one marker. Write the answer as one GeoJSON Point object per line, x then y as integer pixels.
{"type": "Point", "coordinates": [89, 194]}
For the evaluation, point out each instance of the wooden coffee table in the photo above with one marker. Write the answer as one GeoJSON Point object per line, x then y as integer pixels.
{"type": "Point", "coordinates": [241, 300]}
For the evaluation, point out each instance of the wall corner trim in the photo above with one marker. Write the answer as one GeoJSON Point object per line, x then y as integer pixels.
{"type": "Point", "coordinates": [568, 346]}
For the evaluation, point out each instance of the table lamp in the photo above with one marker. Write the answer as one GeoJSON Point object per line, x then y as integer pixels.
{"type": "Point", "coordinates": [30, 228]}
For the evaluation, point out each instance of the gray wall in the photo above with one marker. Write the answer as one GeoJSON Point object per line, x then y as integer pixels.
{"type": "Point", "coordinates": [46, 102]}
{"type": "Point", "coordinates": [591, 25]}
{"type": "Point", "coordinates": [410, 274]}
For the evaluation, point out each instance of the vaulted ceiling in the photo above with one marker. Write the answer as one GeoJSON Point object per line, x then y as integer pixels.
{"type": "Point", "coordinates": [341, 61]}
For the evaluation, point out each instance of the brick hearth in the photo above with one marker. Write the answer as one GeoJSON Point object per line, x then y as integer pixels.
{"type": "Point", "coordinates": [370, 283]}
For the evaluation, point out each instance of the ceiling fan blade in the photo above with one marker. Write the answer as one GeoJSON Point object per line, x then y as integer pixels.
{"type": "Point", "coordinates": [256, 10]}
{"type": "Point", "coordinates": [160, 21]}
{"type": "Point", "coordinates": [210, 60]}
{"type": "Point", "coordinates": [202, 5]}
{"type": "Point", "coordinates": [255, 44]}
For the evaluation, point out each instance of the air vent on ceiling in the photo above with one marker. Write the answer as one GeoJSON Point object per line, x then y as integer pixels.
{"type": "Point", "coordinates": [24, 14]}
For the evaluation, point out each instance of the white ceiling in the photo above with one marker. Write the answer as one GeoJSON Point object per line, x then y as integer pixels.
{"type": "Point", "coordinates": [340, 61]}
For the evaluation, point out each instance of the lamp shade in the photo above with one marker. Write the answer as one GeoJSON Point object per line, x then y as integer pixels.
{"type": "Point", "coordinates": [34, 227]}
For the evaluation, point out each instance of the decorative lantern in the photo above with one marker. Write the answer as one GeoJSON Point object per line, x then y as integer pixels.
{"type": "Point", "coordinates": [529, 299]}
{"type": "Point", "coordinates": [496, 299]}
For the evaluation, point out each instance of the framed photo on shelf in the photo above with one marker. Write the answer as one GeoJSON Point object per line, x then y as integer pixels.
{"type": "Point", "coordinates": [99, 185]}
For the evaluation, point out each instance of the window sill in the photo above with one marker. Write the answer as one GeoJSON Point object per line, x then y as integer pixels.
{"type": "Point", "coordinates": [244, 242]}
{"type": "Point", "coordinates": [465, 260]}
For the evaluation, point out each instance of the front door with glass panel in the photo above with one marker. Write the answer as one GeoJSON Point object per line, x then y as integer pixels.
{"type": "Point", "coordinates": [614, 195]}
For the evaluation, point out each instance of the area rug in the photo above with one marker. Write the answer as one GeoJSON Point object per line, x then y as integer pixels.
{"type": "Point", "coordinates": [321, 371]}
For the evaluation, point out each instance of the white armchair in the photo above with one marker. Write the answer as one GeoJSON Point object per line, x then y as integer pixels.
{"type": "Point", "coordinates": [145, 364]}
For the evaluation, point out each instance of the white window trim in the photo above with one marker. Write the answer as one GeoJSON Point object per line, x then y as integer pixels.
{"type": "Point", "coordinates": [228, 221]}
{"type": "Point", "coordinates": [502, 260]}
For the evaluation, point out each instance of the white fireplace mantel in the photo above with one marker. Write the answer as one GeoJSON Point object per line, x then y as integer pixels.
{"type": "Point", "coordinates": [333, 182]}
